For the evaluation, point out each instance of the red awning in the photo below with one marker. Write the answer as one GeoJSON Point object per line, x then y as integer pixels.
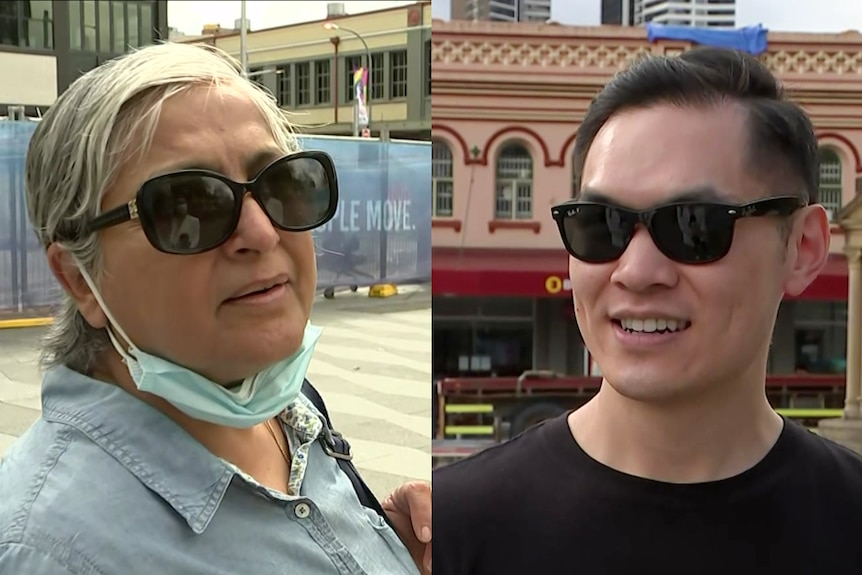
{"type": "Point", "coordinates": [544, 273]}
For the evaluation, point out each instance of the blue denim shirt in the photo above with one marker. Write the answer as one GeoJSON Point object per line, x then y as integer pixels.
{"type": "Point", "coordinates": [104, 484]}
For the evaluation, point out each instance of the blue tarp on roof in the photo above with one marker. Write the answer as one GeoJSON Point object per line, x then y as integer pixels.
{"type": "Point", "coordinates": [751, 39]}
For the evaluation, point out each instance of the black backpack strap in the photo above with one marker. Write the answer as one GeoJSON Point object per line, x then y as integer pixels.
{"type": "Point", "coordinates": [339, 449]}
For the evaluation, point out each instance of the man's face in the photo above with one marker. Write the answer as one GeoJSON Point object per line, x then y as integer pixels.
{"type": "Point", "coordinates": [182, 307]}
{"type": "Point", "coordinates": [645, 158]}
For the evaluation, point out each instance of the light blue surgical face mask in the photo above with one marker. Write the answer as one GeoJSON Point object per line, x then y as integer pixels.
{"type": "Point", "coordinates": [258, 398]}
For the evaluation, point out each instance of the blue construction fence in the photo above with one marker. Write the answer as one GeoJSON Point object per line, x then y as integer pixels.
{"type": "Point", "coordinates": [381, 232]}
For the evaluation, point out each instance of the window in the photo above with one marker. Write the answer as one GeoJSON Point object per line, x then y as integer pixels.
{"type": "Point", "coordinates": [148, 25]}
{"type": "Point", "coordinates": [10, 29]}
{"type": "Point", "coordinates": [104, 26]}
{"type": "Point", "coordinates": [111, 27]}
{"type": "Point", "coordinates": [89, 21]}
{"type": "Point", "coordinates": [133, 25]}
{"type": "Point", "coordinates": [118, 27]}
{"type": "Point", "coordinates": [829, 191]}
{"type": "Point", "coordinates": [482, 348]}
{"type": "Point", "coordinates": [351, 64]}
{"type": "Point", "coordinates": [27, 24]}
{"type": "Point", "coordinates": [820, 336]}
{"type": "Point", "coordinates": [442, 185]}
{"type": "Point", "coordinates": [303, 84]}
{"type": "Point", "coordinates": [255, 75]}
{"type": "Point", "coordinates": [40, 24]}
{"type": "Point", "coordinates": [378, 68]}
{"type": "Point", "coordinates": [514, 183]}
{"type": "Point", "coordinates": [75, 26]}
{"type": "Point", "coordinates": [283, 92]}
{"type": "Point", "coordinates": [324, 77]}
{"type": "Point", "coordinates": [398, 74]}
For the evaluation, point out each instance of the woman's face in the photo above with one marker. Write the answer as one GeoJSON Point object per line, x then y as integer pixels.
{"type": "Point", "coordinates": [182, 308]}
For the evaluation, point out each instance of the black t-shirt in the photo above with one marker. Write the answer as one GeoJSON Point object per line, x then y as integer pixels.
{"type": "Point", "coordinates": [539, 504]}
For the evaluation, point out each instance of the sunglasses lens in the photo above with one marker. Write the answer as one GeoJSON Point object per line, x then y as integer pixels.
{"type": "Point", "coordinates": [192, 213]}
{"type": "Point", "coordinates": [297, 193]}
{"type": "Point", "coordinates": [595, 233]}
{"type": "Point", "coordinates": [693, 233]}
{"type": "Point", "coordinates": [187, 213]}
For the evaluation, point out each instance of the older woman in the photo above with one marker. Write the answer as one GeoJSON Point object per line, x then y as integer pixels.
{"type": "Point", "coordinates": [175, 435]}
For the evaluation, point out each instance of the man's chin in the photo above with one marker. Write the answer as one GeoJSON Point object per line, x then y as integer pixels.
{"type": "Point", "coordinates": [648, 387]}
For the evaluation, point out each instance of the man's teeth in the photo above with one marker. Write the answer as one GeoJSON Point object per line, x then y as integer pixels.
{"type": "Point", "coordinates": [653, 325]}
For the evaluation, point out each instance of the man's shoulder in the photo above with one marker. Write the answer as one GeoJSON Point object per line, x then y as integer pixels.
{"type": "Point", "coordinates": [490, 488]}
{"type": "Point", "coordinates": [832, 458]}
{"type": "Point", "coordinates": [496, 471]}
{"type": "Point", "coordinates": [832, 469]}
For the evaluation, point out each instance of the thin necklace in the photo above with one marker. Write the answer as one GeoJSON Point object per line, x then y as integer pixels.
{"type": "Point", "coordinates": [268, 423]}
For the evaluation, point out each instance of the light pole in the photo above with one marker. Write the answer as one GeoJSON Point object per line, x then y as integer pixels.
{"type": "Point", "coordinates": [243, 40]}
{"type": "Point", "coordinates": [334, 26]}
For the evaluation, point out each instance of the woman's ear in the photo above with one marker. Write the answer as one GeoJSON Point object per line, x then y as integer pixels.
{"type": "Point", "coordinates": [72, 280]}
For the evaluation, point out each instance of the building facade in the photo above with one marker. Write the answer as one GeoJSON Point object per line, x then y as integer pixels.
{"type": "Point", "coordinates": [507, 102]}
{"type": "Point", "coordinates": [45, 45]}
{"type": "Point", "coordinates": [700, 13]}
{"type": "Point", "coordinates": [502, 10]}
{"type": "Point", "coordinates": [310, 70]}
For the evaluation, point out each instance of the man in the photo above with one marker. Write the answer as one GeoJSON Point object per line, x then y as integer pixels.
{"type": "Point", "coordinates": [678, 464]}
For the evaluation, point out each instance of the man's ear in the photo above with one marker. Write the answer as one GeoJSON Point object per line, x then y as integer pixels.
{"type": "Point", "coordinates": [807, 249]}
{"type": "Point", "coordinates": [67, 273]}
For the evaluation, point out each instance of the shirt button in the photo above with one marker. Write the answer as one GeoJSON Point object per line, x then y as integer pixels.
{"type": "Point", "coordinates": [302, 510]}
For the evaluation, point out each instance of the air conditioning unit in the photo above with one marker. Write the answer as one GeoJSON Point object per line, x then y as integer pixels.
{"type": "Point", "coordinates": [16, 113]}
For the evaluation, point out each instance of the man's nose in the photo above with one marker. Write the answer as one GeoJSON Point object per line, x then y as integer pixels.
{"type": "Point", "coordinates": [642, 266]}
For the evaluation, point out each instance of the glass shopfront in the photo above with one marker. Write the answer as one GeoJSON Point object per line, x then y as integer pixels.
{"type": "Point", "coordinates": [488, 337]}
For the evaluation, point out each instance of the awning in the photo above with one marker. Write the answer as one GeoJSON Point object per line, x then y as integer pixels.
{"type": "Point", "coordinates": [545, 273]}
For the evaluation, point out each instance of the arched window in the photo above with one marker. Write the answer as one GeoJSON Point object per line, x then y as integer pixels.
{"type": "Point", "coordinates": [514, 199]}
{"type": "Point", "coordinates": [442, 184]}
{"type": "Point", "coordinates": [829, 193]}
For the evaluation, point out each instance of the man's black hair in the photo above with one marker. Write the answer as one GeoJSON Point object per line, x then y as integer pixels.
{"type": "Point", "coordinates": [782, 141]}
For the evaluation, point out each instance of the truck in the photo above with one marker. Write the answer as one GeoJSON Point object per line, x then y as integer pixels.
{"type": "Point", "coordinates": [473, 413]}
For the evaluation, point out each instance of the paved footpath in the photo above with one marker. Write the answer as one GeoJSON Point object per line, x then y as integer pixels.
{"type": "Point", "coordinates": [372, 365]}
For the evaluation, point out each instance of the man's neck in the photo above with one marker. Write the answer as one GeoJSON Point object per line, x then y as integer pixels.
{"type": "Point", "coordinates": [706, 438]}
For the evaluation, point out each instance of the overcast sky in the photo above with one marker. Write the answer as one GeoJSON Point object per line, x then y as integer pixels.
{"type": "Point", "coordinates": [190, 16]}
{"type": "Point", "coordinates": [778, 15]}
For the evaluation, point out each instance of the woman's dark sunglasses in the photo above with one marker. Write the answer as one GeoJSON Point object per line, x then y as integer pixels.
{"type": "Point", "coordinates": [686, 232]}
{"type": "Point", "coordinates": [193, 211]}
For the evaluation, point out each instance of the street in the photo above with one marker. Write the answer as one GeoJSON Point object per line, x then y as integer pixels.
{"type": "Point", "coordinates": [372, 366]}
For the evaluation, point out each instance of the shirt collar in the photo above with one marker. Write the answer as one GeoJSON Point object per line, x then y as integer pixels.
{"type": "Point", "coordinates": [151, 446]}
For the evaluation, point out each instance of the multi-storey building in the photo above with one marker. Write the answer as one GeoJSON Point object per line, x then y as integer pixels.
{"type": "Point", "coordinates": [46, 44]}
{"type": "Point", "coordinates": [701, 13]}
{"type": "Point", "coordinates": [502, 10]}
{"type": "Point", "coordinates": [309, 68]}
{"type": "Point", "coordinates": [508, 100]}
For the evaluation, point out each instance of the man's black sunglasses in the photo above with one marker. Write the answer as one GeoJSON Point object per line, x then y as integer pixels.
{"type": "Point", "coordinates": [193, 211]}
{"type": "Point", "coordinates": [685, 232]}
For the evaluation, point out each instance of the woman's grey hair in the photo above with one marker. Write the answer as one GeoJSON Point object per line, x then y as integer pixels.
{"type": "Point", "coordinates": [99, 123]}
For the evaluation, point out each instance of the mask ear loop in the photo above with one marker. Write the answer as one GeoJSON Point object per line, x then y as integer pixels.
{"type": "Point", "coordinates": [127, 355]}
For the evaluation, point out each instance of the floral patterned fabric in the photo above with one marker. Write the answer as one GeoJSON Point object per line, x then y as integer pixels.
{"type": "Point", "coordinates": [303, 426]}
